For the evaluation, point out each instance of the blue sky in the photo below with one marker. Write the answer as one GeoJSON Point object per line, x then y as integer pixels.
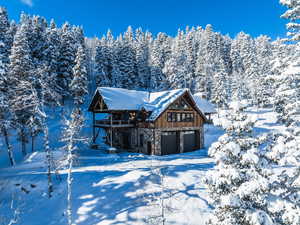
{"type": "Point", "coordinates": [97, 16]}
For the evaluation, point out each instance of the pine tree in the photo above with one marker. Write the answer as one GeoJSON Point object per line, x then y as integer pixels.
{"type": "Point", "coordinates": [292, 14]}
{"type": "Point", "coordinates": [239, 184]}
{"type": "Point", "coordinates": [52, 62]}
{"type": "Point", "coordinates": [103, 63]}
{"type": "Point", "coordinates": [141, 46]}
{"type": "Point", "coordinates": [21, 65]}
{"type": "Point", "coordinates": [5, 44]}
{"type": "Point", "coordinates": [5, 115]}
{"type": "Point", "coordinates": [126, 61]}
{"type": "Point", "coordinates": [78, 85]}
{"type": "Point", "coordinates": [160, 52]}
{"type": "Point", "coordinates": [66, 60]}
{"type": "Point", "coordinates": [220, 92]}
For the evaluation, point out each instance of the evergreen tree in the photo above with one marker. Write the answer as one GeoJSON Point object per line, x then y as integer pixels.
{"type": "Point", "coordinates": [293, 15]}
{"type": "Point", "coordinates": [66, 60]}
{"type": "Point", "coordinates": [78, 85]}
{"type": "Point", "coordinates": [239, 185]}
{"type": "Point", "coordinates": [160, 52]}
{"type": "Point", "coordinates": [21, 65]}
{"type": "Point", "coordinates": [5, 115]}
{"type": "Point", "coordinates": [141, 46]}
{"type": "Point", "coordinates": [5, 44]}
{"type": "Point", "coordinates": [103, 63]}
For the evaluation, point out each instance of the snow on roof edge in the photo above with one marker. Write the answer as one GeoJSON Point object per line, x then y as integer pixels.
{"type": "Point", "coordinates": [156, 102]}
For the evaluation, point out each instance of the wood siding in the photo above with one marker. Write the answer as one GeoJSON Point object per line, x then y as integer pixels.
{"type": "Point", "coordinates": [162, 121]}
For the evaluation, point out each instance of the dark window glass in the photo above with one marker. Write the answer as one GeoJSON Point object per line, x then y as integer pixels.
{"type": "Point", "coordinates": [174, 117]}
{"type": "Point", "coordinates": [169, 117]}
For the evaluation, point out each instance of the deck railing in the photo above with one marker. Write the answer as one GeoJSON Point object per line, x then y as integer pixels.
{"type": "Point", "coordinates": [114, 122]}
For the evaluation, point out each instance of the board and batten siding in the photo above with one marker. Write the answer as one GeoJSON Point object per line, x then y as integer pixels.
{"type": "Point", "coordinates": [162, 121]}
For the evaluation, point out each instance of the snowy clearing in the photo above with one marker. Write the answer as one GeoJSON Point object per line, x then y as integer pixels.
{"type": "Point", "coordinates": [117, 188]}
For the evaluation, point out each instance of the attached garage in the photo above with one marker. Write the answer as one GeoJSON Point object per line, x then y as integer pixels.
{"type": "Point", "coordinates": [170, 143]}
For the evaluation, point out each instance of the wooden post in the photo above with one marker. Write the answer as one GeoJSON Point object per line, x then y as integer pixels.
{"type": "Point", "coordinates": [180, 135]}
{"type": "Point", "coordinates": [94, 132]}
{"type": "Point", "coordinates": [111, 131]}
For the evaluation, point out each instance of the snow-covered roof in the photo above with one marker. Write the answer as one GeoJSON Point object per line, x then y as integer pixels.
{"type": "Point", "coordinates": [204, 105]}
{"type": "Point", "coordinates": [123, 99]}
{"type": "Point", "coordinates": [156, 102]}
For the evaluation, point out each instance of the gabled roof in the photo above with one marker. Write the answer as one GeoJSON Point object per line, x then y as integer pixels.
{"type": "Point", "coordinates": [204, 105]}
{"type": "Point", "coordinates": [155, 102]}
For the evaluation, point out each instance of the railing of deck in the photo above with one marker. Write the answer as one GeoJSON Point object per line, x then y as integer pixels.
{"type": "Point", "coordinates": [114, 122]}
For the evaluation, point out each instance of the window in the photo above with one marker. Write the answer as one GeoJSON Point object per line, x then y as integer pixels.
{"type": "Point", "coordinates": [169, 117]}
{"type": "Point", "coordinates": [180, 117]}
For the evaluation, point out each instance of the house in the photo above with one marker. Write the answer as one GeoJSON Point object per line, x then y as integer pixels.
{"type": "Point", "coordinates": [205, 106]}
{"type": "Point", "coordinates": [158, 123]}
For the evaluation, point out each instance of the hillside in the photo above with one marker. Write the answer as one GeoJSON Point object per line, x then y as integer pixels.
{"type": "Point", "coordinates": [123, 188]}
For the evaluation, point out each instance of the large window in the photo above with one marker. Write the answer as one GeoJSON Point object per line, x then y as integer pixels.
{"type": "Point", "coordinates": [180, 117]}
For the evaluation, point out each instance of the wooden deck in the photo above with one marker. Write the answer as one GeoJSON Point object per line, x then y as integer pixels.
{"type": "Point", "coordinates": [113, 123]}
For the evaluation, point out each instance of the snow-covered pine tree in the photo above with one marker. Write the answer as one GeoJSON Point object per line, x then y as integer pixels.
{"type": "Point", "coordinates": [66, 60]}
{"type": "Point", "coordinates": [38, 42]}
{"type": "Point", "coordinates": [21, 64]}
{"type": "Point", "coordinates": [141, 46]}
{"type": "Point", "coordinates": [78, 86]}
{"type": "Point", "coordinates": [264, 77]}
{"type": "Point", "coordinates": [220, 92]}
{"type": "Point", "coordinates": [5, 44]}
{"type": "Point", "coordinates": [103, 63]}
{"type": "Point", "coordinates": [293, 15]}
{"type": "Point", "coordinates": [160, 52]}
{"type": "Point", "coordinates": [239, 184]}
{"type": "Point", "coordinates": [287, 96]}
{"type": "Point", "coordinates": [127, 62]}
{"type": "Point", "coordinates": [241, 56]}
{"type": "Point", "coordinates": [52, 63]}
{"type": "Point", "coordinates": [23, 103]}
{"type": "Point", "coordinates": [176, 68]}
{"type": "Point", "coordinates": [191, 55]}
{"type": "Point", "coordinates": [5, 114]}
{"type": "Point", "coordinates": [21, 74]}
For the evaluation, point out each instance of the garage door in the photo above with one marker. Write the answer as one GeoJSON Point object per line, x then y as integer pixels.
{"type": "Point", "coordinates": [169, 143]}
{"type": "Point", "coordinates": [189, 141]}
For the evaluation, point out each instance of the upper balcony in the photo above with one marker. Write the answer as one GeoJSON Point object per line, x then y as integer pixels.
{"type": "Point", "coordinates": [114, 123]}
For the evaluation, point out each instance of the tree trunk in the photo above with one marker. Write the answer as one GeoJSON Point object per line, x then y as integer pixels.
{"type": "Point", "coordinates": [32, 142]}
{"type": "Point", "coordinates": [23, 142]}
{"type": "Point", "coordinates": [69, 182]}
{"type": "Point", "coordinates": [9, 148]}
{"type": "Point", "coordinates": [48, 157]}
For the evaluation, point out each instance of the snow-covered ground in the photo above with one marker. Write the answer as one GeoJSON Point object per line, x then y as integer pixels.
{"type": "Point", "coordinates": [119, 188]}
